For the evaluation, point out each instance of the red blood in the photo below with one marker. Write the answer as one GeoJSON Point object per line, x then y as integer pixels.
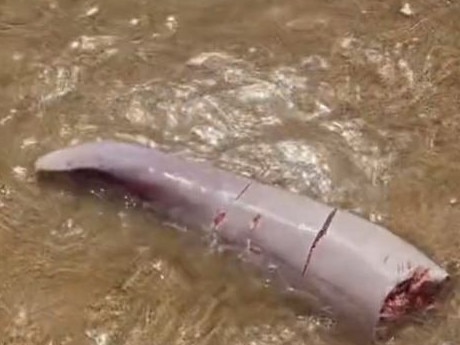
{"type": "Point", "coordinates": [411, 295]}
{"type": "Point", "coordinates": [219, 218]}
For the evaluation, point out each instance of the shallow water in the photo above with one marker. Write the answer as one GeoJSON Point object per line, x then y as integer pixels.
{"type": "Point", "coordinates": [351, 102]}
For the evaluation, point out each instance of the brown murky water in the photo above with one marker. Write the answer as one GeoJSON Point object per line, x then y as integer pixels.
{"type": "Point", "coordinates": [351, 102]}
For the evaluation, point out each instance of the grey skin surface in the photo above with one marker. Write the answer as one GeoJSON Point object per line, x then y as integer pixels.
{"type": "Point", "coordinates": [347, 262]}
